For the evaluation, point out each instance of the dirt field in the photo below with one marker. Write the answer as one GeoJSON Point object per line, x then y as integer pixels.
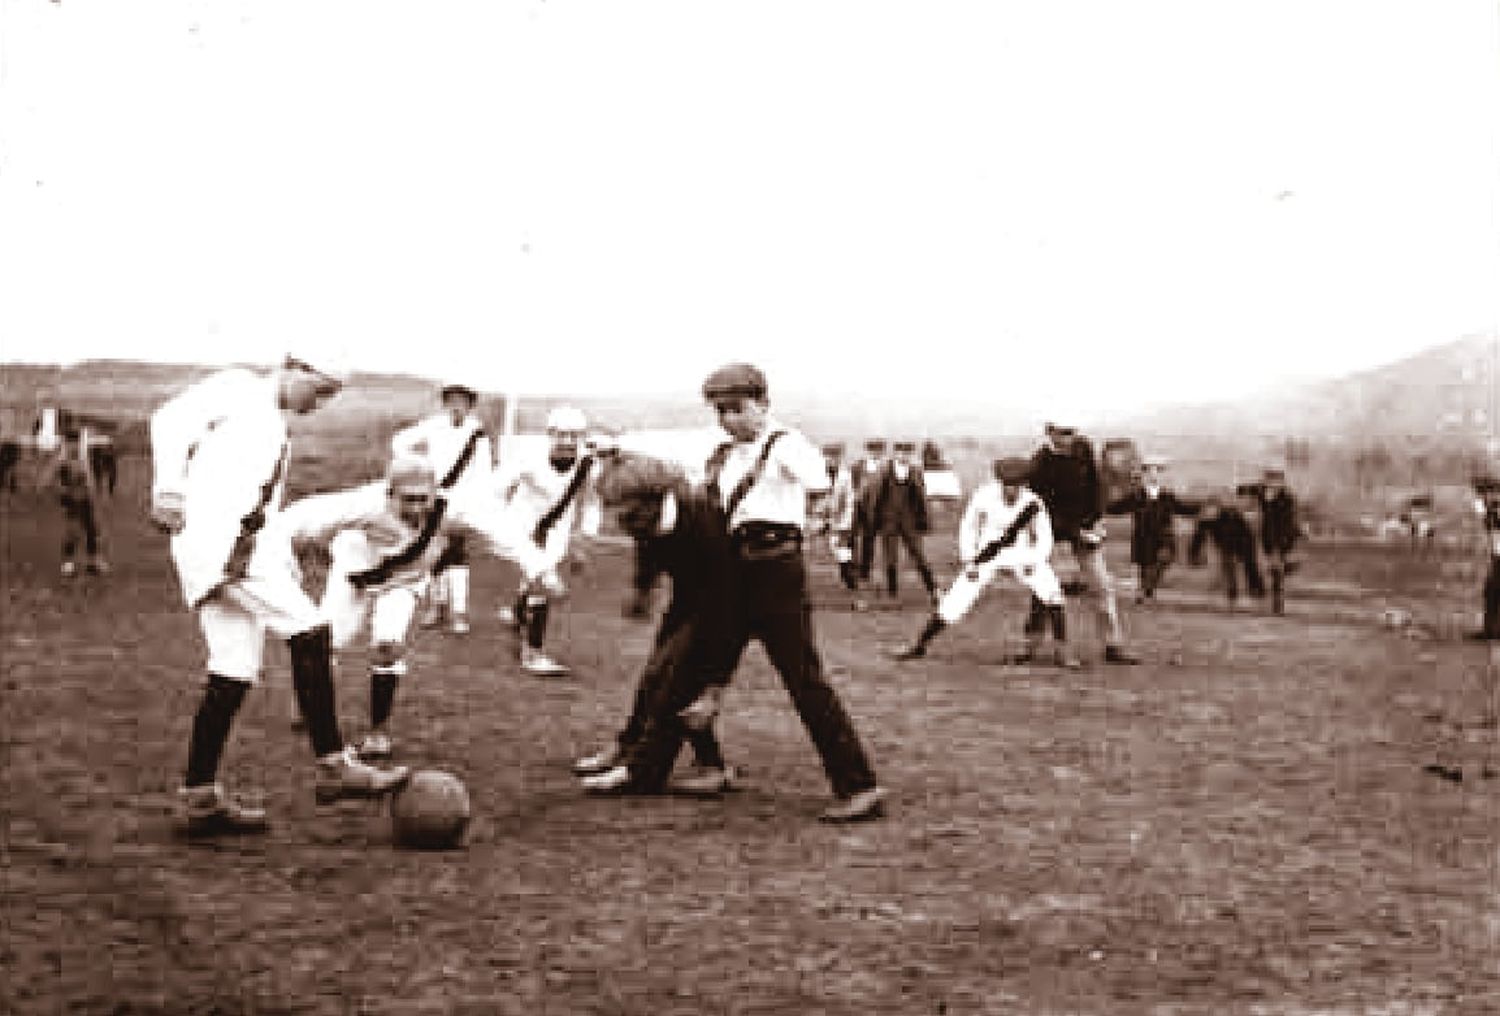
{"type": "Point", "coordinates": [1243, 824]}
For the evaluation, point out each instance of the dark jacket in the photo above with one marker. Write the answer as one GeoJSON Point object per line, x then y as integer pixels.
{"type": "Point", "coordinates": [1152, 540]}
{"type": "Point", "coordinates": [901, 505]}
{"type": "Point", "coordinates": [697, 556]}
{"type": "Point", "coordinates": [1068, 484]}
{"type": "Point", "coordinates": [1278, 517]}
{"type": "Point", "coordinates": [1230, 533]}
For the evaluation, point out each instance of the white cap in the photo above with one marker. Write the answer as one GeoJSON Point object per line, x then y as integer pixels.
{"type": "Point", "coordinates": [567, 418]}
{"type": "Point", "coordinates": [407, 471]}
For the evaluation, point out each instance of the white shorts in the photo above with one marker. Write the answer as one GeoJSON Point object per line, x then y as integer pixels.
{"type": "Point", "coordinates": [236, 617]}
{"type": "Point", "coordinates": [390, 607]}
{"type": "Point", "coordinates": [971, 582]}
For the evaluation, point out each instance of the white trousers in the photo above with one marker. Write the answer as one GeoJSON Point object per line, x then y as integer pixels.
{"type": "Point", "coordinates": [236, 617]}
{"type": "Point", "coordinates": [971, 583]}
{"type": "Point", "coordinates": [389, 607]}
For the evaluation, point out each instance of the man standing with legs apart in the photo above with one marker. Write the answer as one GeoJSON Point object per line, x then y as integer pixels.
{"type": "Point", "coordinates": [762, 476]}
{"type": "Point", "coordinates": [1279, 531]}
{"type": "Point", "coordinates": [1153, 543]}
{"type": "Point", "coordinates": [1005, 529]}
{"type": "Point", "coordinates": [455, 443]}
{"type": "Point", "coordinates": [1065, 474]}
{"type": "Point", "coordinates": [220, 456]}
{"type": "Point", "coordinates": [550, 495]}
{"type": "Point", "coordinates": [901, 518]}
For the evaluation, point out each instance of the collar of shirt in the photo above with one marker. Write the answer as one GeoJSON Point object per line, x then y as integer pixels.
{"type": "Point", "coordinates": [776, 496]}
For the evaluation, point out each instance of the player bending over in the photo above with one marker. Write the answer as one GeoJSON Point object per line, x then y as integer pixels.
{"type": "Point", "coordinates": [1005, 530]}
{"type": "Point", "coordinates": [385, 539]}
{"type": "Point", "coordinates": [679, 532]}
{"type": "Point", "coordinates": [219, 456]}
{"type": "Point", "coordinates": [550, 495]}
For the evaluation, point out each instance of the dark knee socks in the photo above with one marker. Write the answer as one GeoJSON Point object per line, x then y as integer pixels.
{"type": "Point", "coordinates": [221, 700]}
{"type": "Point", "coordinates": [312, 680]}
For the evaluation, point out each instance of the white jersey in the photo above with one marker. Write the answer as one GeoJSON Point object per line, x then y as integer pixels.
{"type": "Point", "coordinates": [794, 469]}
{"type": "Point", "coordinates": [368, 537]}
{"type": "Point", "coordinates": [989, 515]}
{"type": "Point", "coordinates": [222, 445]}
{"type": "Point", "coordinates": [445, 445]}
{"type": "Point", "coordinates": [530, 486]}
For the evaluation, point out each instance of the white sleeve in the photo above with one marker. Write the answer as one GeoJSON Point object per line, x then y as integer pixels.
{"type": "Point", "coordinates": [802, 460]}
{"type": "Point", "coordinates": [319, 517]}
{"type": "Point", "coordinates": [591, 504]}
{"type": "Point", "coordinates": [180, 423]}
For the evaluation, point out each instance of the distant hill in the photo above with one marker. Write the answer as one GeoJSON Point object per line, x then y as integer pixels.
{"type": "Point", "coordinates": [1446, 394]}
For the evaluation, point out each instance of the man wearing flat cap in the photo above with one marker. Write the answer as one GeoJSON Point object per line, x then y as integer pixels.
{"type": "Point", "coordinates": [1279, 529]}
{"type": "Point", "coordinates": [1004, 530]}
{"type": "Point", "coordinates": [761, 476]}
{"type": "Point", "coordinates": [900, 516]}
{"type": "Point", "coordinates": [1065, 474]}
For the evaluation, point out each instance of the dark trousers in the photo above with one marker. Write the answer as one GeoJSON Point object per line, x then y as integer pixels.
{"type": "Point", "coordinates": [1151, 576]}
{"type": "Point", "coordinates": [79, 521]}
{"type": "Point", "coordinates": [1492, 600]}
{"type": "Point", "coordinates": [770, 603]}
{"type": "Point", "coordinates": [676, 673]}
{"type": "Point", "coordinates": [891, 542]}
{"type": "Point", "coordinates": [863, 540]}
{"type": "Point", "coordinates": [1230, 565]}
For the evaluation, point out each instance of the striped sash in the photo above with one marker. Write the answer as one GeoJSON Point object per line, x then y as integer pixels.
{"type": "Point", "coordinates": [462, 462]}
{"type": "Point", "coordinates": [547, 521]}
{"type": "Point", "coordinates": [254, 521]}
{"type": "Point", "coordinates": [406, 556]}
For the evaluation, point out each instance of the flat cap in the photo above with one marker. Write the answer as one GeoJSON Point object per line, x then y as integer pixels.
{"type": "Point", "coordinates": [905, 446]}
{"type": "Point", "coordinates": [1012, 469]}
{"type": "Point", "coordinates": [833, 448]}
{"type": "Point", "coordinates": [735, 379]}
{"type": "Point", "coordinates": [1273, 473]}
{"type": "Point", "coordinates": [875, 444]}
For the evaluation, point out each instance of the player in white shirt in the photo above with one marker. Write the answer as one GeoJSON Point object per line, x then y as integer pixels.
{"type": "Point", "coordinates": [455, 443]}
{"type": "Point", "coordinates": [219, 455]}
{"type": "Point", "coordinates": [1005, 531]}
{"type": "Point", "coordinates": [384, 539]}
{"type": "Point", "coordinates": [550, 494]}
{"type": "Point", "coordinates": [762, 476]}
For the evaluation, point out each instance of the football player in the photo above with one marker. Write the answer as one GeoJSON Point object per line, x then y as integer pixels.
{"type": "Point", "coordinates": [550, 494]}
{"type": "Point", "coordinates": [220, 453]}
{"type": "Point", "coordinates": [385, 539]}
{"type": "Point", "coordinates": [455, 443]}
{"type": "Point", "coordinates": [1005, 530]}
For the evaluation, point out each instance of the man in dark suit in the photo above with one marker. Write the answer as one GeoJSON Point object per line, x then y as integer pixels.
{"type": "Point", "coordinates": [864, 477]}
{"type": "Point", "coordinates": [1279, 529]}
{"type": "Point", "coordinates": [1226, 526]}
{"type": "Point", "coordinates": [900, 512]}
{"type": "Point", "coordinates": [1065, 474]}
{"type": "Point", "coordinates": [1153, 543]}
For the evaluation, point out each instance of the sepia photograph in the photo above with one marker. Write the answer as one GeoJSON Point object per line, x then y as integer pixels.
{"type": "Point", "coordinates": [826, 508]}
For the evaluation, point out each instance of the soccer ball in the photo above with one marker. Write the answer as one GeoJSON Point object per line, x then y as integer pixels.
{"type": "Point", "coordinates": [431, 812]}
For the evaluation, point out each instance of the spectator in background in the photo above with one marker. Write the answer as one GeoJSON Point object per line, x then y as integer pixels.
{"type": "Point", "coordinates": [1225, 524]}
{"type": "Point", "coordinates": [864, 477]}
{"type": "Point", "coordinates": [900, 516]}
{"type": "Point", "coordinates": [1279, 529]}
{"type": "Point", "coordinates": [1153, 543]}
{"type": "Point", "coordinates": [72, 477]}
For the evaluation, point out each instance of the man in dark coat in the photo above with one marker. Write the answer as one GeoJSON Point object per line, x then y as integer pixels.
{"type": "Point", "coordinates": [1153, 543]}
{"type": "Point", "coordinates": [1487, 506]}
{"type": "Point", "coordinates": [1226, 526]}
{"type": "Point", "coordinates": [864, 477]}
{"type": "Point", "coordinates": [1279, 529]}
{"type": "Point", "coordinates": [1065, 474]}
{"type": "Point", "coordinates": [901, 518]}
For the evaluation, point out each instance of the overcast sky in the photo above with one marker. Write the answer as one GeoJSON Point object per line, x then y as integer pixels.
{"type": "Point", "coordinates": [1075, 204]}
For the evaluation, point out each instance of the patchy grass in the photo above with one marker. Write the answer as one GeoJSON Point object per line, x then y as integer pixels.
{"type": "Point", "coordinates": [1241, 825]}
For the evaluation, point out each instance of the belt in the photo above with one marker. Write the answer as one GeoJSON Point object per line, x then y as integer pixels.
{"type": "Point", "coordinates": [764, 535]}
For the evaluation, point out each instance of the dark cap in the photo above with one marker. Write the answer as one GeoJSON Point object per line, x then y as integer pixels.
{"type": "Point", "coordinates": [735, 379]}
{"type": "Point", "coordinates": [833, 448]}
{"type": "Point", "coordinates": [1273, 473]}
{"type": "Point", "coordinates": [1012, 469]}
{"type": "Point", "coordinates": [458, 389]}
{"type": "Point", "coordinates": [1060, 428]}
{"type": "Point", "coordinates": [905, 446]}
{"type": "Point", "coordinates": [875, 444]}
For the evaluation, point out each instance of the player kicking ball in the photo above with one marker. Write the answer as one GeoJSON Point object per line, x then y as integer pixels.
{"type": "Point", "coordinates": [219, 453]}
{"type": "Point", "coordinates": [385, 539]}
{"type": "Point", "coordinates": [1005, 530]}
{"type": "Point", "coordinates": [550, 495]}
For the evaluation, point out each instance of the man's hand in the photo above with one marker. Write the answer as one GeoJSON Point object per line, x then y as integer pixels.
{"type": "Point", "coordinates": [167, 511]}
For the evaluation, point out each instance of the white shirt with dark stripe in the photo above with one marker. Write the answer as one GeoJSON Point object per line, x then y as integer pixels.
{"type": "Point", "coordinates": [795, 469]}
